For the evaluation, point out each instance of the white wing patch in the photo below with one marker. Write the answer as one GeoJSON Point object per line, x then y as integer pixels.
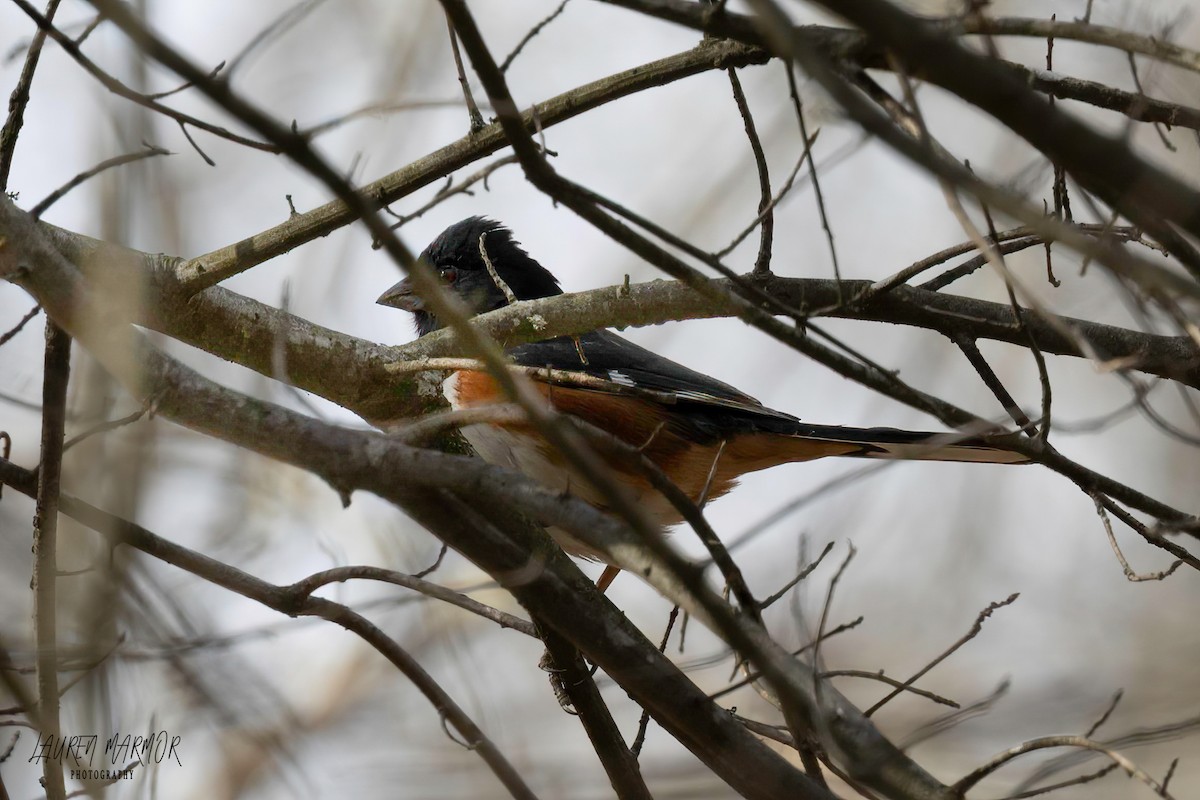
{"type": "Point", "coordinates": [621, 379]}
{"type": "Point", "coordinates": [703, 397]}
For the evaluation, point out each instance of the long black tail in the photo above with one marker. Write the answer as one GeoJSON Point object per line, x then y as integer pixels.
{"type": "Point", "coordinates": [912, 445]}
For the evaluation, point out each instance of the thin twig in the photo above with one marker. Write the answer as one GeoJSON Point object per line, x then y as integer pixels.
{"type": "Point", "coordinates": [882, 678]}
{"type": "Point", "coordinates": [1136, 738]}
{"type": "Point", "coordinates": [971, 350]}
{"type": "Point", "coordinates": [1054, 787]}
{"type": "Point", "coordinates": [833, 582]}
{"type": "Point", "coordinates": [1062, 199]}
{"type": "Point", "coordinates": [528, 37]}
{"type": "Point", "coordinates": [831, 161]}
{"type": "Point", "coordinates": [303, 589]}
{"type": "Point", "coordinates": [1170, 773]}
{"type": "Point", "coordinates": [1112, 706]}
{"type": "Point", "coordinates": [1043, 433]}
{"type": "Point", "coordinates": [766, 217]}
{"type": "Point", "coordinates": [449, 190]}
{"type": "Point", "coordinates": [794, 92]}
{"type": "Point", "coordinates": [955, 718]}
{"type": "Point", "coordinates": [149, 152]}
{"type": "Point", "coordinates": [437, 562]}
{"type": "Point", "coordinates": [1152, 535]}
{"type": "Point", "coordinates": [472, 110]}
{"type": "Point", "coordinates": [644, 722]}
{"type": "Point", "coordinates": [1137, 82]}
{"type": "Point", "coordinates": [993, 764]}
{"type": "Point", "coordinates": [19, 98]}
{"type": "Point", "coordinates": [1130, 575]}
{"type": "Point", "coordinates": [29, 315]}
{"type": "Point", "coordinates": [509, 297]}
{"type": "Point", "coordinates": [751, 677]}
{"type": "Point", "coordinates": [1011, 242]}
{"type": "Point", "coordinates": [186, 84]}
{"type": "Point", "coordinates": [568, 377]}
{"type": "Point", "coordinates": [273, 30]}
{"type": "Point", "coordinates": [804, 573]}
{"type": "Point", "coordinates": [104, 427]}
{"type": "Point", "coordinates": [971, 634]}
{"type": "Point", "coordinates": [374, 110]}
{"type": "Point", "coordinates": [425, 429]}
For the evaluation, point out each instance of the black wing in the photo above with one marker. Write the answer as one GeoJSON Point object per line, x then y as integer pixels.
{"type": "Point", "coordinates": [713, 407]}
{"type": "Point", "coordinates": [606, 355]}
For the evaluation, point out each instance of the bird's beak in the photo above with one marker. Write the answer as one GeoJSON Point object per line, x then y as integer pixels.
{"type": "Point", "coordinates": [401, 296]}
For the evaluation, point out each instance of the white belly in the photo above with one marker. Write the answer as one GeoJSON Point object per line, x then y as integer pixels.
{"type": "Point", "coordinates": [506, 448]}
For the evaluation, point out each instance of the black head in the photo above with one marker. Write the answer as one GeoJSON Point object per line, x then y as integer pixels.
{"type": "Point", "coordinates": [455, 256]}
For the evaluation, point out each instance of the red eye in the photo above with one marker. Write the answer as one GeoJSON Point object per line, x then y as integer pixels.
{"type": "Point", "coordinates": [449, 274]}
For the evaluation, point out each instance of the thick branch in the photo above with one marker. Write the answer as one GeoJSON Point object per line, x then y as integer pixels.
{"type": "Point", "coordinates": [1174, 357]}
{"type": "Point", "coordinates": [1117, 38]}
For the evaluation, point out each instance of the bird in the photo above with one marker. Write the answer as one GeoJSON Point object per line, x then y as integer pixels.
{"type": "Point", "coordinates": [702, 433]}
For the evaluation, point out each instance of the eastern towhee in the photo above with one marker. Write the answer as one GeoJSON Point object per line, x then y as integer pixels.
{"type": "Point", "coordinates": [690, 425]}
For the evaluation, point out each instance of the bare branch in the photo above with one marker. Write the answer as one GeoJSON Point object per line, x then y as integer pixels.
{"type": "Point", "coordinates": [955, 718]}
{"type": "Point", "coordinates": [766, 217]}
{"type": "Point", "coordinates": [306, 587]}
{"type": "Point", "coordinates": [976, 628]}
{"type": "Point", "coordinates": [472, 110]}
{"type": "Point", "coordinates": [882, 678]}
{"type": "Point", "coordinates": [528, 37]}
{"type": "Point", "coordinates": [801, 575]}
{"type": "Point", "coordinates": [644, 721]}
{"type": "Point", "coordinates": [14, 330]}
{"type": "Point", "coordinates": [45, 546]}
{"type": "Point", "coordinates": [1130, 575]}
{"type": "Point", "coordinates": [20, 98]}
{"type": "Point", "coordinates": [1044, 742]}
{"type": "Point", "coordinates": [117, 161]}
{"type": "Point", "coordinates": [794, 92]}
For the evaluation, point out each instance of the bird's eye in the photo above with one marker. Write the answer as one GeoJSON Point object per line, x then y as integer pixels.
{"type": "Point", "coordinates": [449, 274]}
